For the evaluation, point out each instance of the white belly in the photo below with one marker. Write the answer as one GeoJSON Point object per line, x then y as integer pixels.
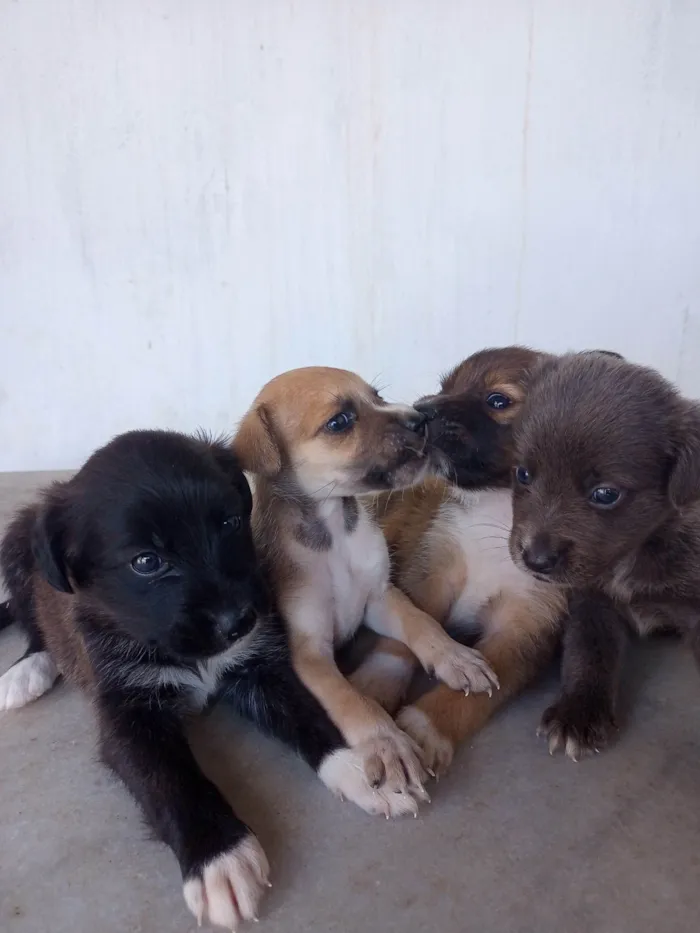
{"type": "Point", "coordinates": [480, 524]}
{"type": "Point", "coordinates": [357, 565]}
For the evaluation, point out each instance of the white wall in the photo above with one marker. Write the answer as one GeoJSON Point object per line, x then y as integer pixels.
{"type": "Point", "coordinates": [197, 194]}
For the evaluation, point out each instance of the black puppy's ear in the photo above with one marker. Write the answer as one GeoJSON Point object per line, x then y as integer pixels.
{"type": "Point", "coordinates": [684, 480]}
{"type": "Point", "coordinates": [255, 443]}
{"type": "Point", "coordinates": [49, 545]}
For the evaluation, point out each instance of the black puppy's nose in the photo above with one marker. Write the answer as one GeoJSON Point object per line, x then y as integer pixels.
{"type": "Point", "coordinates": [415, 420]}
{"type": "Point", "coordinates": [427, 410]}
{"type": "Point", "coordinates": [235, 623]}
{"type": "Point", "coordinates": [541, 555]}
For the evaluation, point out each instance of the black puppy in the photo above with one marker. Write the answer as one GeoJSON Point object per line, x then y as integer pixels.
{"type": "Point", "coordinates": [607, 502]}
{"type": "Point", "coordinates": [138, 581]}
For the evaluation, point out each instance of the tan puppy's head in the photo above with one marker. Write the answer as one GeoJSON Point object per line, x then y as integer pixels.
{"type": "Point", "coordinates": [329, 433]}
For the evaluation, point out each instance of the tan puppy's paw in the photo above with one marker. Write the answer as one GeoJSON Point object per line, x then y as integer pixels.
{"type": "Point", "coordinates": [229, 888]}
{"type": "Point", "coordinates": [437, 751]}
{"type": "Point", "coordinates": [346, 774]}
{"type": "Point", "coordinates": [464, 669]}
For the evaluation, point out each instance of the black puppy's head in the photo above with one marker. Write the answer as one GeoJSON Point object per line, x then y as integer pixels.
{"type": "Point", "coordinates": [606, 452]}
{"type": "Point", "coordinates": [471, 417]}
{"type": "Point", "coordinates": [154, 532]}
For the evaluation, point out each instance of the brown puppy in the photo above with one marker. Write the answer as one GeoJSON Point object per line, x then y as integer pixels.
{"type": "Point", "coordinates": [607, 503]}
{"type": "Point", "coordinates": [449, 547]}
{"type": "Point", "coordinates": [315, 439]}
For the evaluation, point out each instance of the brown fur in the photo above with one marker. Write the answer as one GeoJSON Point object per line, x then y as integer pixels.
{"type": "Point", "coordinates": [594, 423]}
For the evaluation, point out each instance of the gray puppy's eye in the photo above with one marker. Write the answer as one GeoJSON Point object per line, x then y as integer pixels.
{"type": "Point", "coordinates": [522, 475]}
{"type": "Point", "coordinates": [605, 497]}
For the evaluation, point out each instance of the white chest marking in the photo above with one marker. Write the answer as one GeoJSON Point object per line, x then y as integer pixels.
{"type": "Point", "coordinates": [353, 568]}
{"type": "Point", "coordinates": [480, 523]}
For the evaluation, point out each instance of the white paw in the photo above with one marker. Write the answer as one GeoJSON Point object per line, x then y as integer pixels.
{"type": "Point", "coordinates": [437, 751]}
{"type": "Point", "coordinates": [230, 887]}
{"type": "Point", "coordinates": [346, 774]}
{"type": "Point", "coordinates": [27, 680]}
{"type": "Point", "coordinates": [464, 669]}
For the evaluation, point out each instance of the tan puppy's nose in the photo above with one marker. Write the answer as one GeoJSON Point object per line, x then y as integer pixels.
{"type": "Point", "coordinates": [414, 420]}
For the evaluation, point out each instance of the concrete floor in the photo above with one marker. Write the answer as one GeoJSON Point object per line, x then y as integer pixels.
{"type": "Point", "coordinates": [514, 841]}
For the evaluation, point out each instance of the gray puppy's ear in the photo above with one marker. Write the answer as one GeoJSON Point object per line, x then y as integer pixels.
{"type": "Point", "coordinates": [684, 479]}
{"type": "Point", "coordinates": [617, 356]}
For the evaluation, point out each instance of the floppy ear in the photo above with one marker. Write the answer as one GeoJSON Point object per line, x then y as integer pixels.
{"type": "Point", "coordinates": [255, 444]}
{"type": "Point", "coordinates": [684, 480]}
{"type": "Point", "coordinates": [617, 356]}
{"type": "Point", "coordinates": [49, 545]}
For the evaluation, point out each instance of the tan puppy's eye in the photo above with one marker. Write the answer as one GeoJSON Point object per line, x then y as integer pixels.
{"type": "Point", "coordinates": [498, 401]}
{"type": "Point", "coordinates": [341, 422]}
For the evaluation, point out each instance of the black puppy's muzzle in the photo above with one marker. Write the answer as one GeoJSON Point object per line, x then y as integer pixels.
{"type": "Point", "coordinates": [232, 624]}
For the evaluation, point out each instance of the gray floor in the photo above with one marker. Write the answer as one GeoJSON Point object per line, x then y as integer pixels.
{"type": "Point", "coordinates": [514, 841]}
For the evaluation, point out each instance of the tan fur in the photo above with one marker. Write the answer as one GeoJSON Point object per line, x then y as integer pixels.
{"type": "Point", "coordinates": [519, 619]}
{"type": "Point", "coordinates": [328, 577]}
{"type": "Point", "coordinates": [54, 612]}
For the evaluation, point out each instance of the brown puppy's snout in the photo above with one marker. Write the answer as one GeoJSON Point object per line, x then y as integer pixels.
{"type": "Point", "coordinates": [543, 554]}
{"type": "Point", "coordinates": [426, 408]}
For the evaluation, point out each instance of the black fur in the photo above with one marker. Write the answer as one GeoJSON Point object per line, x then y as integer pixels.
{"type": "Point", "coordinates": [68, 566]}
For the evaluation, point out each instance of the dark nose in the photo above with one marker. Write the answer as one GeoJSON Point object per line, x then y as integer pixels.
{"type": "Point", "coordinates": [541, 555]}
{"type": "Point", "coordinates": [235, 623]}
{"type": "Point", "coordinates": [414, 420]}
{"type": "Point", "coordinates": [428, 410]}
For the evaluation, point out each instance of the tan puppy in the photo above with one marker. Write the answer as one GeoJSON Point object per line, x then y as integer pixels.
{"type": "Point", "coordinates": [315, 439]}
{"type": "Point", "coordinates": [449, 546]}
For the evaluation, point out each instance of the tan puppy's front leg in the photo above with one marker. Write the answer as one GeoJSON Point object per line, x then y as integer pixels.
{"type": "Point", "coordinates": [392, 613]}
{"type": "Point", "coordinates": [389, 759]}
{"type": "Point", "coordinates": [443, 718]}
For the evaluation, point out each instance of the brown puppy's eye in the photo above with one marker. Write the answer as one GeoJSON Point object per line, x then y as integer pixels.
{"type": "Point", "coordinates": [146, 564]}
{"type": "Point", "coordinates": [605, 497]}
{"type": "Point", "coordinates": [498, 401]}
{"type": "Point", "coordinates": [341, 422]}
{"type": "Point", "coordinates": [522, 475]}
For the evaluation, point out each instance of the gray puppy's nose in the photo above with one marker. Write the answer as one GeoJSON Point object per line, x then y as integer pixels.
{"type": "Point", "coordinates": [541, 555]}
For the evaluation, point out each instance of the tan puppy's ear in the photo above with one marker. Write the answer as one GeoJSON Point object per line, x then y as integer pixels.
{"type": "Point", "coordinates": [255, 444]}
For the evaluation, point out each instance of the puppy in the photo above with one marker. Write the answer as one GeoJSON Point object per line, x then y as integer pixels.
{"type": "Point", "coordinates": [607, 504]}
{"type": "Point", "coordinates": [138, 581]}
{"type": "Point", "coordinates": [316, 439]}
{"type": "Point", "coordinates": [449, 548]}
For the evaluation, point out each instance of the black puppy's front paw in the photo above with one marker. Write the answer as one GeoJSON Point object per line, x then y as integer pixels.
{"type": "Point", "coordinates": [226, 890]}
{"type": "Point", "coordinates": [579, 725]}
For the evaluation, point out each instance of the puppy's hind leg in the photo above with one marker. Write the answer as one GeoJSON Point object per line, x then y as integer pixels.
{"type": "Point", "coordinates": [30, 677]}
{"type": "Point", "coordinates": [386, 673]}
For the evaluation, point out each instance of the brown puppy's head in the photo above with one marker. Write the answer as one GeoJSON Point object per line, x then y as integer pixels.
{"type": "Point", "coordinates": [326, 432]}
{"type": "Point", "coordinates": [606, 452]}
{"type": "Point", "coordinates": [471, 417]}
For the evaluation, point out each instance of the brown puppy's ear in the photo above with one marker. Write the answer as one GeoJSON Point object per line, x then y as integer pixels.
{"type": "Point", "coordinates": [49, 546]}
{"type": "Point", "coordinates": [684, 480]}
{"type": "Point", "coordinates": [617, 356]}
{"type": "Point", "coordinates": [255, 444]}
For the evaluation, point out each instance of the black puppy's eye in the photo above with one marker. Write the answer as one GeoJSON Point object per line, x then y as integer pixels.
{"type": "Point", "coordinates": [233, 523]}
{"type": "Point", "coordinates": [146, 564]}
{"type": "Point", "coordinates": [498, 401]}
{"type": "Point", "coordinates": [605, 497]}
{"type": "Point", "coordinates": [522, 476]}
{"type": "Point", "coordinates": [343, 421]}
